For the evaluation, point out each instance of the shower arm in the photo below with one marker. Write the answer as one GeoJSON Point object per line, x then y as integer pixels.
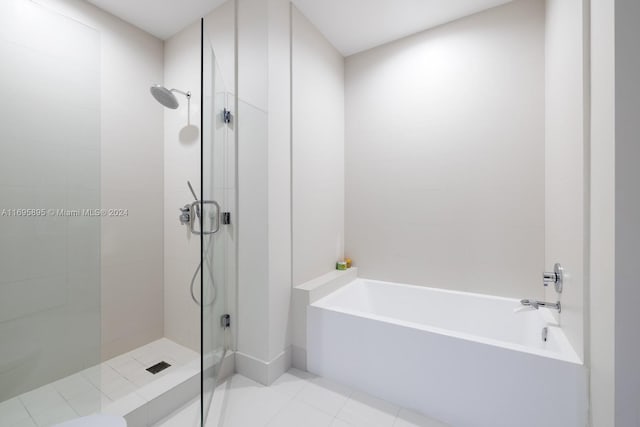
{"type": "Point", "coordinates": [187, 94]}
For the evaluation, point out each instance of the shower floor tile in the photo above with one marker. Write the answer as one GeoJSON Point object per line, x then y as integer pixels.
{"type": "Point", "coordinates": [296, 399]}
{"type": "Point", "coordinates": [121, 382]}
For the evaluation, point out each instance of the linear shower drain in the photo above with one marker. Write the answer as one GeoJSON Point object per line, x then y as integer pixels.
{"type": "Point", "coordinates": [158, 367]}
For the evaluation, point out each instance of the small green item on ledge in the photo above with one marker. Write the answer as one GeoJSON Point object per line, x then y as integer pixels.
{"type": "Point", "coordinates": [341, 265]}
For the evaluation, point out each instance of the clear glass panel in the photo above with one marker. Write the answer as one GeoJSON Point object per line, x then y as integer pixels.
{"type": "Point", "coordinates": [218, 192]}
{"type": "Point", "coordinates": [49, 195]}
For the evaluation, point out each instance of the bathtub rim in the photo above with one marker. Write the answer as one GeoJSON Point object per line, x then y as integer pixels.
{"type": "Point", "coordinates": [569, 355]}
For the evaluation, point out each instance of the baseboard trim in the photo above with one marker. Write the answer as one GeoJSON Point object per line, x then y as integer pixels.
{"type": "Point", "coordinates": [228, 367]}
{"type": "Point", "coordinates": [260, 371]}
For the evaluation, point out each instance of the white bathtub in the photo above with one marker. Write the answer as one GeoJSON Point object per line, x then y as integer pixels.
{"type": "Point", "coordinates": [463, 358]}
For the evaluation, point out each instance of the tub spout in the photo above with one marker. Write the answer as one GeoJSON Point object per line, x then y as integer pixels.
{"type": "Point", "coordinates": [523, 308]}
{"type": "Point", "coordinates": [537, 304]}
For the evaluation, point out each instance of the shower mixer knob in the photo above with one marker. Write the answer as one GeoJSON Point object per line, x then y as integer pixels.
{"type": "Point", "coordinates": [556, 277]}
{"type": "Point", "coordinates": [185, 215]}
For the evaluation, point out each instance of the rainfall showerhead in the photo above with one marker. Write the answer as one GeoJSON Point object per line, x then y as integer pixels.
{"type": "Point", "coordinates": [166, 97]}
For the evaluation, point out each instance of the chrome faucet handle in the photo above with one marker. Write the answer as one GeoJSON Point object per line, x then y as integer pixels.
{"type": "Point", "coordinates": [537, 304]}
{"type": "Point", "coordinates": [556, 277]}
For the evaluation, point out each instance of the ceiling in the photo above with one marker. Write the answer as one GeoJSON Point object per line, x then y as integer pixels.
{"type": "Point", "coordinates": [350, 25]}
{"type": "Point", "coordinates": [162, 18]}
{"type": "Point", "coordinates": [356, 25]}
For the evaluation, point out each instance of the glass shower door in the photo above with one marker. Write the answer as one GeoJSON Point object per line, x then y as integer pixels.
{"type": "Point", "coordinates": [218, 186]}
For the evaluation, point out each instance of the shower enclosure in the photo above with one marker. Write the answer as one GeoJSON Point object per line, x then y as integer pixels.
{"type": "Point", "coordinates": [87, 266]}
{"type": "Point", "coordinates": [219, 188]}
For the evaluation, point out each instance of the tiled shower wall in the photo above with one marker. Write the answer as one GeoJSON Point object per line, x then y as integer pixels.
{"type": "Point", "coordinates": [49, 161]}
{"type": "Point", "coordinates": [130, 168]}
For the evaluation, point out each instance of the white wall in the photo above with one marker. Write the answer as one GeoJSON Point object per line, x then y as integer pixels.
{"type": "Point", "coordinates": [566, 161]}
{"type": "Point", "coordinates": [49, 159]}
{"type": "Point", "coordinates": [182, 153]}
{"type": "Point", "coordinates": [317, 162]}
{"type": "Point", "coordinates": [253, 257]}
{"type": "Point", "coordinates": [317, 151]}
{"type": "Point", "coordinates": [445, 155]}
{"type": "Point", "coordinates": [279, 184]}
{"type": "Point", "coordinates": [131, 175]}
{"type": "Point", "coordinates": [614, 349]}
{"type": "Point", "coordinates": [220, 163]}
{"type": "Point", "coordinates": [264, 195]}
{"type": "Point", "coordinates": [627, 213]}
{"type": "Point", "coordinates": [182, 164]}
{"type": "Point", "coordinates": [602, 227]}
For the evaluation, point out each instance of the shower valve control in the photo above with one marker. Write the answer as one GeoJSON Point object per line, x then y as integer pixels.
{"type": "Point", "coordinates": [556, 277]}
{"type": "Point", "coordinates": [185, 215]}
{"type": "Point", "coordinates": [225, 321]}
{"type": "Point", "coordinates": [227, 117]}
{"type": "Point", "coordinates": [226, 218]}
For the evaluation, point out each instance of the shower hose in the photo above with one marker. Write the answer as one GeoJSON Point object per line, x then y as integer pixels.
{"type": "Point", "coordinates": [208, 245]}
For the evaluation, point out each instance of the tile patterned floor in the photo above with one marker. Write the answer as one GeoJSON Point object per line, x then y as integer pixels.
{"type": "Point", "coordinates": [120, 381]}
{"type": "Point", "coordinates": [296, 399]}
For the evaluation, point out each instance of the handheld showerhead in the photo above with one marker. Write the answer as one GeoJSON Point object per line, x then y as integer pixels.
{"type": "Point", "coordinates": [192, 192]}
{"type": "Point", "coordinates": [167, 97]}
{"type": "Point", "coordinates": [197, 207]}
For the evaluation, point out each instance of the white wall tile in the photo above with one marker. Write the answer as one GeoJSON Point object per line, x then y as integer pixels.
{"type": "Point", "coordinates": [47, 166]}
{"type": "Point", "coordinates": [129, 132]}
{"type": "Point", "coordinates": [182, 164]}
{"type": "Point", "coordinates": [132, 307]}
{"type": "Point", "coordinates": [132, 165]}
{"type": "Point", "coordinates": [181, 313]}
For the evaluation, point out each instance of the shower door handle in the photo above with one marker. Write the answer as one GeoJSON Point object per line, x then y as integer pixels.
{"type": "Point", "coordinates": [198, 209]}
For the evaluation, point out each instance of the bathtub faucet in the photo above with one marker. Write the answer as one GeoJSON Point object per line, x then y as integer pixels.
{"type": "Point", "coordinates": [538, 304]}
